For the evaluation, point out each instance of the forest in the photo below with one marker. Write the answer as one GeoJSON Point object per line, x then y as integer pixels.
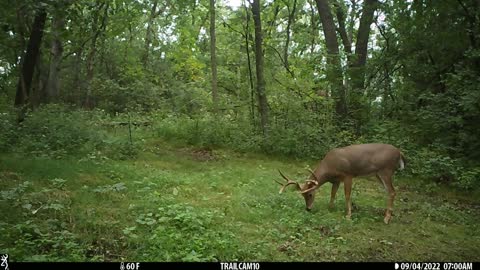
{"type": "Point", "coordinates": [150, 130]}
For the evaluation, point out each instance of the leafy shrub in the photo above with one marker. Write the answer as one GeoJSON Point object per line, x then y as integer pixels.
{"type": "Point", "coordinates": [302, 138]}
{"type": "Point", "coordinates": [469, 178]}
{"type": "Point", "coordinates": [52, 130]}
{"type": "Point", "coordinates": [184, 233]}
{"type": "Point", "coordinates": [8, 132]}
{"type": "Point", "coordinates": [121, 149]}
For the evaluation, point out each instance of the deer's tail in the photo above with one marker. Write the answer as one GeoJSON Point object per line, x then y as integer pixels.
{"type": "Point", "coordinates": [402, 161]}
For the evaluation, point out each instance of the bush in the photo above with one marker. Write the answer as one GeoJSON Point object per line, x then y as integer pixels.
{"type": "Point", "coordinates": [9, 131]}
{"type": "Point", "coordinates": [302, 138]}
{"type": "Point", "coordinates": [53, 130]}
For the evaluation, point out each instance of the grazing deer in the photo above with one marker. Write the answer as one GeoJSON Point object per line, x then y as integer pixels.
{"type": "Point", "coordinates": [345, 163]}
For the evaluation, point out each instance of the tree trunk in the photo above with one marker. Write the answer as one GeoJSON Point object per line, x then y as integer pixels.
{"type": "Point", "coordinates": [334, 69]}
{"type": "Point", "coordinates": [249, 63]}
{"type": "Point", "coordinates": [361, 45]}
{"type": "Point", "coordinates": [28, 64]}
{"type": "Point", "coordinates": [56, 58]}
{"type": "Point", "coordinates": [313, 25]}
{"type": "Point", "coordinates": [291, 17]}
{"type": "Point", "coordinates": [93, 50]}
{"type": "Point", "coordinates": [262, 97]}
{"type": "Point", "coordinates": [359, 108]}
{"type": "Point", "coordinates": [347, 44]}
{"type": "Point", "coordinates": [77, 84]}
{"type": "Point", "coordinates": [148, 35]}
{"type": "Point", "coordinates": [213, 56]}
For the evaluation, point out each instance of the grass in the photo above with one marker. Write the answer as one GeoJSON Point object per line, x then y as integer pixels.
{"type": "Point", "coordinates": [174, 203]}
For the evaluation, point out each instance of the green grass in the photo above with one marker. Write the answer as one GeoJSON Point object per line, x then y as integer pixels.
{"type": "Point", "coordinates": [174, 203]}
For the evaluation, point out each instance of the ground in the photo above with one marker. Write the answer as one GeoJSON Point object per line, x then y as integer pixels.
{"type": "Point", "coordinates": [178, 203]}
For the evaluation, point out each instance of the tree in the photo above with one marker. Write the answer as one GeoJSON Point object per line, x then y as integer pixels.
{"type": "Point", "coordinates": [97, 30]}
{"type": "Point", "coordinates": [30, 58]}
{"type": "Point", "coordinates": [56, 52]}
{"type": "Point", "coordinates": [213, 56]}
{"type": "Point", "coordinates": [334, 69]}
{"type": "Point", "coordinates": [291, 17]}
{"type": "Point", "coordinates": [357, 69]}
{"type": "Point", "coordinates": [259, 61]}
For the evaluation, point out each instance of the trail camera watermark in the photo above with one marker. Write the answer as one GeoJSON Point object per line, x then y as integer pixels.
{"type": "Point", "coordinates": [4, 260]}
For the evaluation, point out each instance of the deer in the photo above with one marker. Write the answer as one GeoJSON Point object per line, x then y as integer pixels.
{"type": "Point", "coordinates": [343, 164]}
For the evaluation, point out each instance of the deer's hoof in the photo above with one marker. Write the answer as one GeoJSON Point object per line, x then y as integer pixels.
{"type": "Point", "coordinates": [348, 217]}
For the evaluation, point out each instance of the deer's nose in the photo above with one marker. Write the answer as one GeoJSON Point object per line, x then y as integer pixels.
{"type": "Point", "coordinates": [308, 209]}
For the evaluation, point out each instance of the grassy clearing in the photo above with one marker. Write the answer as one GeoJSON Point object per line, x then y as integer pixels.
{"type": "Point", "coordinates": [174, 203]}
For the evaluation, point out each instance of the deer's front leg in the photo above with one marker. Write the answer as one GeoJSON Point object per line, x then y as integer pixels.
{"type": "Point", "coordinates": [335, 186]}
{"type": "Point", "coordinates": [347, 183]}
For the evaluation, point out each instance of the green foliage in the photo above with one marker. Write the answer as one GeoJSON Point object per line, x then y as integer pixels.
{"type": "Point", "coordinates": [56, 131]}
{"type": "Point", "coordinates": [302, 138]}
{"type": "Point", "coordinates": [121, 149]}
{"type": "Point", "coordinates": [9, 131]}
{"type": "Point", "coordinates": [174, 221]}
{"type": "Point", "coordinates": [114, 97]}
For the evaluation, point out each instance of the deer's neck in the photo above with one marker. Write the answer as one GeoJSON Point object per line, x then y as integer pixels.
{"type": "Point", "coordinates": [320, 176]}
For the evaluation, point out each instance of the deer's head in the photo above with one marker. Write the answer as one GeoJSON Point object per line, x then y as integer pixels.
{"type": "Point", "coordinates": [307, 189]}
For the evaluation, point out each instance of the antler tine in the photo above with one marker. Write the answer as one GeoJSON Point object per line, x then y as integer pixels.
{"type": "Point", "coordinates": [313, 174]}
{"type": "Point", "coordinates": [312, 181]}
{"type": "Point", "coordinates": [310, 189]}
{"type": "Point", "coordinates": [284, 177]}
{"type": "Point", "coordinates": [289, 182]}
{"type": "Point", "coordinates": [278, 182]}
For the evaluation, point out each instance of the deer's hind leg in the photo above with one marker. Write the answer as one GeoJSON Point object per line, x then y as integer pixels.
{"type": "Point", "coordinates": [385, 177]}
{"type": "Point", "coordinates": [347, 184]}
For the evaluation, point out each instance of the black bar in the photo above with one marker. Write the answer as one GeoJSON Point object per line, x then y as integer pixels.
{"type": "Point", "coordinates": [221, 265]}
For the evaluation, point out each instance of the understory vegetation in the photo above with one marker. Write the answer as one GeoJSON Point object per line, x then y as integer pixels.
{"type": "Point", "coordinates": [101, 191]}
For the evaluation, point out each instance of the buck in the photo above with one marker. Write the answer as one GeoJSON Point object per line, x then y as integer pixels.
{"type": "Point", "coordinates": [345, 163]}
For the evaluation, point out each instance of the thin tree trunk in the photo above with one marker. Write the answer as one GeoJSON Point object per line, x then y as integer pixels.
{"type": "Point", "coordinates": [93, 51]}
{"type": "Point", "coordinates": [313, 25]}
{"type": "Point", "coordinates": [29, 60]}
{"type": "Point", "coordinates": [291, 17]}
{"type": "Point", "coordinates": [213, 56]}
{"type": "Point", "coordinates": [262, 98]}
{"type": "Point", "coordinates": [148, 35]}
{"type": "Point", "coordinates": [249, 62]}
{"type": "Point", "coordinates": [56, 58]}
{"type": "Point", "coordinates": [334, 70]}
{"type": "Point", "coordinates": [76, 95]}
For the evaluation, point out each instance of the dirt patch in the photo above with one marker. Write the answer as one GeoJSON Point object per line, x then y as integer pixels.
{"type": "Point", "coordinates": [200, 154]}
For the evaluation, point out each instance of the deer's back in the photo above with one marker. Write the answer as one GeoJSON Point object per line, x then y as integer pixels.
{"type": "Point", "coordinates": [361, 159]}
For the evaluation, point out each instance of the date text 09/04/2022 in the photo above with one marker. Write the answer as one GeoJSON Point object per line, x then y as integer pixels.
{"type": "Point", "coordinates": [434, 266]}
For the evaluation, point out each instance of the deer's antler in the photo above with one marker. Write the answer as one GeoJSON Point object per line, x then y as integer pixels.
{"type": "Point", "coordinates": [289, 182]}
{"type": "Point", "coordinates": [314, 177]}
